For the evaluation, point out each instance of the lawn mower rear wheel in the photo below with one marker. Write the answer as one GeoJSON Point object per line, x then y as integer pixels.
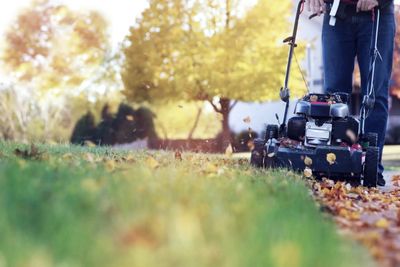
{"type": "Point", "coordinates": [371, 167]}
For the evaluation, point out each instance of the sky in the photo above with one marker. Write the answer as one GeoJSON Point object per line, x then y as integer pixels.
{"type": "Point", "coordinates": [119, 13]}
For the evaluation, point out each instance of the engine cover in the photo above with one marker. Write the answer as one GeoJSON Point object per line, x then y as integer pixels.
{"type": "Point", "coordinates": [318, 135]}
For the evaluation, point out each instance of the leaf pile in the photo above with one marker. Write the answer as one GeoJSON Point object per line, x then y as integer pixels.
{"type": "Point", "coordinates": [369, 215]}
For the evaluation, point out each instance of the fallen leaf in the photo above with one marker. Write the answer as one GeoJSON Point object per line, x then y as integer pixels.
{"type": "Point", "coordinates": [67, 156]}
{"type": "Point", "coordinates": [395, 178]}
{"type": "Point", "coordinates": [382, 223]}
{"type": "Point", "coordinates": [110, 165]}
{"type": "Point", "coordinates": [129, 158]}
{"type": "Point", "coordinates": [89, 143]}
{"type": "Point", "coordinates": [89, 157]}
{"type": "Point", "coordinates": [178, 155]}
{"type": "Point", "coordinates": [152, 162]}
{"type": "Point", "coordinates": [331, 158]}
{"type": "Point", "coordinates": [211, 168]}
{"type": "Point", "coordinates": [308, 172]}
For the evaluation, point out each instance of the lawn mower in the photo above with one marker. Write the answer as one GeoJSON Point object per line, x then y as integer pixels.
{"type": "Point", "coordinates": [322, 139]}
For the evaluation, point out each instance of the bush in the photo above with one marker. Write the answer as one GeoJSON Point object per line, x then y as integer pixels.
{"type": "Point", "coordinates": [127, 126]}
{"type": "Point", "coordinates": [85, 129]}
{"type": "Point", "coordinates": [243, 139]}
{"type": "Point", "coordinates": [105, 132]}
{"type": "Point", "coordinates": [145, 123]}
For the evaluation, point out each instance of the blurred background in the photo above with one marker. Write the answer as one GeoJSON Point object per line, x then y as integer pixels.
{"type": "Point", "coordinates": [198, 74]}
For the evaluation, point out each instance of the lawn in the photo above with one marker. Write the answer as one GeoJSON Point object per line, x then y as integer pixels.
{"type": "Point", "coordinates": [391, 157]}
{"type": "Point", "coordinates": [74, 206]}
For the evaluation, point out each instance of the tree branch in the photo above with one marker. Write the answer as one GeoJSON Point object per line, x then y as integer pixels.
{"type": "Point", "coordinates": [214, 106]}
{"type": "Point", "coordinates": [233, 105]}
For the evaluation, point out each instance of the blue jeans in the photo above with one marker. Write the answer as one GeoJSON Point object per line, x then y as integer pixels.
{"type": "Point", "coordinates": [349, 39]}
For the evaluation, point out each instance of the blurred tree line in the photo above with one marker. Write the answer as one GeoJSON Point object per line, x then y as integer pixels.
{"type": "Point", "coordinates": [188, 61]}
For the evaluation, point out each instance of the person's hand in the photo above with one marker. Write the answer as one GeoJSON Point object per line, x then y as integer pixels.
{"type": "Point", "coordinates": [316, 6]}
{"type": "Point", "coordinates": [366, 5]}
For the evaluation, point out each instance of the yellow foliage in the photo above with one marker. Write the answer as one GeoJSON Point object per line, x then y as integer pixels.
{"type": "Point", "coordinates": [213, 53]}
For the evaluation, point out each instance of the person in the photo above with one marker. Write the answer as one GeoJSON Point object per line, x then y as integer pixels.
{"type": "Point", "coordinates": [350, 38]}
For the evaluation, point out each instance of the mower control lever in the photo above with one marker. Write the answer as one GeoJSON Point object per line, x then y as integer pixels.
{"type": "Point", "coordinates": [289, 40]}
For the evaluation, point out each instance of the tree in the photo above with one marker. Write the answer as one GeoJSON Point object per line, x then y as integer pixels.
{"type": "Point", "coordinates": [61, 59]}
{"type": "Point", "coordinates": [55, 47]}
{"type": "Point", "coordinates": [207, 50]}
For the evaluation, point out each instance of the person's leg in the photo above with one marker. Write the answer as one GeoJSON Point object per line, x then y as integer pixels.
{"type": "Point", "coordinates": [339, 50]}
{"type": "Point", "coordinates": [376, 122]}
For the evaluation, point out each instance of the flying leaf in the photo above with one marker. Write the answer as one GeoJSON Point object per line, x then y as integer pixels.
{"type": "Point", "coordinates": [251, 145]}
{"type": "Point", "coordinates": [314, 98]}
{"type": "Point", "coordinates": [247, 120]}
{"type": "Point", "coordinates": [351, 135]}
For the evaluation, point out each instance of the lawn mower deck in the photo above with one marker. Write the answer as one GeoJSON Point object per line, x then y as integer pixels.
{"type": "Point", "coordinates": [322, 140]}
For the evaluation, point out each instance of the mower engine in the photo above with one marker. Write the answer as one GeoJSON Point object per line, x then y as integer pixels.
{"type": "Point", "coordinates": [323, 119]}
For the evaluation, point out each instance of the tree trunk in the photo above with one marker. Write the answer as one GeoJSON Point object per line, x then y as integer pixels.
{"type": "Point", "coordinates": [226, 131]}
{"type": "Point", "coordinates": [196, 123]}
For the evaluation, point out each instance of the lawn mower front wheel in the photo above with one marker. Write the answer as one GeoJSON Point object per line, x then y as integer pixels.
{"type": "Point", "coordinates": [258, 154]}
{"type": "Point", "coordinates": [272, 131]}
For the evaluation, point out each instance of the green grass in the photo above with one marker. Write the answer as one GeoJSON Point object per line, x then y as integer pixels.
{"type": "Point", "coordinates": [391, 158]}
{"type": "Point", "coordinates": [97, 207]}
